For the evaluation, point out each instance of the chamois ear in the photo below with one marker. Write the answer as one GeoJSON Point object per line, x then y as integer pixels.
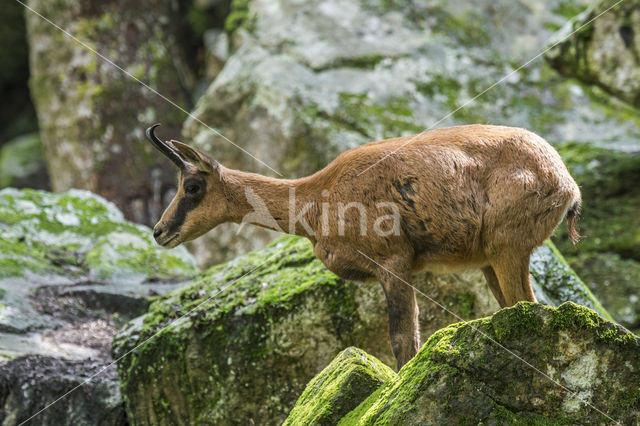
{"type": "Point", "coordinates": [195, 157]}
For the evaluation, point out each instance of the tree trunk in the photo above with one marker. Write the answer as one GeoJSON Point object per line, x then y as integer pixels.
{"type": "Point", "coordinates": [92, 116]}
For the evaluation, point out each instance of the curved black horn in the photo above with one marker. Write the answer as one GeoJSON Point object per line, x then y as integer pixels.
{"type": "Point", "coordinates": [164, 148]}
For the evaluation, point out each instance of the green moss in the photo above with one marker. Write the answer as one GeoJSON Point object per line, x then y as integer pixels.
{"type": "Point", "coordinates": [79, 233]}
{"type": "Point", "coordinates": [505, 416]}
{"type": "Point", "coordinates": [464, 304]}
{"type": "Point", "coordinates": [238, 16]}
{"type": "Point", "coordinates": [569, 8]}
{"type": "Point", "coordinates": [572, 316]}
{"type": "Point", "coordinates": [91, 28]}
{"type": "Point", "coordinates": [201, 19]}
{"type": "Point", "coordinates": [439, 84]}
{"type": "Point", "coordinates": [391, 403]}
{"type": "Point", "coordinates": [466, 27]}
{"type": "Point", "coordinates": [456, 370]}
{"type": "Point", "coordinates": [350, 378]}
{"type": "Point", "coordinates": [241, 319]}
{"type": "Point", "coordinates": [291, 270]}
{"type": "Point", "coordinates": [361, 62]}
{"type": "Point", "coordinates": [520, 320]}
{"type": "Point", "coordinates": [359, 112]}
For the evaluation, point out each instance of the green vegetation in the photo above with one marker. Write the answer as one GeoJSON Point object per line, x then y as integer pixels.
{"type": "Point", "coordinates": [350, 378]}
{"type": "Point", "coordinates": [361, 113]}
{"type": "Point", "coordinates": [238, 16]}
{"type": "Point", "coordinates": [19, 158]}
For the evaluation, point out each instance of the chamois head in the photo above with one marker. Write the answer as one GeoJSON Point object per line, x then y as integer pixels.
{"type": "Point", "coordinates": [198, 205]}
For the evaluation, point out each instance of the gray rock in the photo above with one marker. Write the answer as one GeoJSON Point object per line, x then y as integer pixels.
{"type": "Point", "coordinates": [605, 51]}
{"type": "Point", "coordinates": [311, 79]}
{"type": "Point", "coordinates": [72, 271]}
{"type": "Point", "coordinates": [29, 383]}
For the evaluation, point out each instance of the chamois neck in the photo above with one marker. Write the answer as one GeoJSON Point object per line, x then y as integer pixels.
{"type": "Point", "coordinates": [270, 202]}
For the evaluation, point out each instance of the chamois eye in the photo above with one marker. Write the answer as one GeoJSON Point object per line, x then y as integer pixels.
{"type": "Point", "coordinates": [192, 188]}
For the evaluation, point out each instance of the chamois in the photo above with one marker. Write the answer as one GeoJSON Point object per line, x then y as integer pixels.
{"type": "Point", "coordinates": [475, 196]}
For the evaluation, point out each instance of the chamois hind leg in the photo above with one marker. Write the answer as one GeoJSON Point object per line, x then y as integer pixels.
{"type": "Point", "coordinates": [404, 329]}
{"type": "Point", "coordinates": [512, 271]}
{"type": "Point", "coordinates": [494, 285]}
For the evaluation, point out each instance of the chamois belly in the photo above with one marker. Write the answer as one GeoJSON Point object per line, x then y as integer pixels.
{"type": "Point", "coordinates": [446, 244]}
{"type": "Point", "coordinates": [448, 266]}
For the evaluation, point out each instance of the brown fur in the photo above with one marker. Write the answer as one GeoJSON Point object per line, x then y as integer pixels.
{"type": "Point", "coordinates": [469, 197]}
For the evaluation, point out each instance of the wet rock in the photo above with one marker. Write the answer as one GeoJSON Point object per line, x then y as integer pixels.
{"type": "Point", "coordinates": [72, 271]}
{"type": "Point", "coordinates": [29, 383]}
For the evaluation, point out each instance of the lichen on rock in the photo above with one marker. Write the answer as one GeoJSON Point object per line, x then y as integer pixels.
{"type": "Point", "coordinates": [602, 51]}
{"type": "Point", "coordinates": [79, 234]}
{"type": "Point", "coordinates": [528, 364]}
{"type": "Point", "coordinates": [72, 271]}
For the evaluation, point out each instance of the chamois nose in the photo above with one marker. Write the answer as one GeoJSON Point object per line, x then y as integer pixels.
{"type": "Point", "coordinates": [157, 232]}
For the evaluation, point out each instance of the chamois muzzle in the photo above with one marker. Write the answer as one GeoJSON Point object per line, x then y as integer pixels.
{"type": "Point", "coordinates": [162, 237]}
{"type": "Point", "coordinates": [164, 148]}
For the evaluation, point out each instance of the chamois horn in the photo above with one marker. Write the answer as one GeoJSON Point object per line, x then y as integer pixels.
{"type": "Point", "coordinates": [164, 148]}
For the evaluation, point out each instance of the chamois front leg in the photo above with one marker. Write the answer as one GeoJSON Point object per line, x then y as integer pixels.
{"type": "Point", "coordinates": [404, 329]}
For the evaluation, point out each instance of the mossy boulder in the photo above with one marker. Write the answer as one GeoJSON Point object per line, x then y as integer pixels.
{"type": "Point", "coordinates": [604, 51]}
{"type": "Point", "coordinates": [529, 364]}
{"type": "Point", "coordinates": [239, 343]}
{"type": "Point", "coordinates": [379, 69]}
{"type": "Point", "coordinates": [350, 378]}
{"type": "Point", "coordinates": [72, 271]}
{"type": "Point", "coordinates": [79, 234]}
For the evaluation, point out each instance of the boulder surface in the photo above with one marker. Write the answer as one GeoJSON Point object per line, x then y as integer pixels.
{"type": "Point", "coordinates": [72, 271]}
{"type": "Point", "coordinates": [529, 364]}
{"type": "Point", "coordinates": [240, 342]}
